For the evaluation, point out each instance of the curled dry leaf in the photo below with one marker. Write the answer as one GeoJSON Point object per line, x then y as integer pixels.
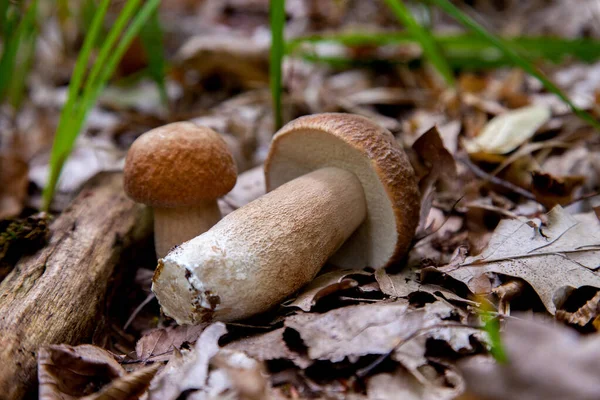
{"type": "Point", "coordinates": [552, 190]}
{"type": "Point", "coordinates": [88, 372]}
{"type": "Point", "coordinates": [13, 185]}
{"type": "Point", "coordinates": [554, 259]}
{"type": "Point", "coordinates": [545, 361]}
{"type": "Point", "coordinates": [435, 165]}
{"type": "Point", "coordinates": [324, 285]}
{"type": "Point", "coordinates": [75, 371]}
{"type": "Point", "coordinates": [508, 131]}
{"type": "Point", "coordinates": [127, 387]}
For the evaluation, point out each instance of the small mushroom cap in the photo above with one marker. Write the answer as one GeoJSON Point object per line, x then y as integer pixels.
{"type": "Point", "coordinates": [371, 152]}
{"type": "Point", "coordinates": [178, 165]}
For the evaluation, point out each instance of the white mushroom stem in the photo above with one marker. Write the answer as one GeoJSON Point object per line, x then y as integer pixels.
{"type": "Point", "coordinates": [173, 226]}
{"type": "Point", "coordinates": [259, 254]}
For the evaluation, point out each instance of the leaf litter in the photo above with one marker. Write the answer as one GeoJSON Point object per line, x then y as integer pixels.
{"type": "Point", "coordinates": [492, 158]}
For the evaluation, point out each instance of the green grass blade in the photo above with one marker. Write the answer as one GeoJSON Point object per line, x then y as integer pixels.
{"type": "Point", "coordinates": [136, 25]}
{"type": "Point", "coordinates": [425, 39]}
{"type": "Point", "coordinates": [4, 16]}
{"type": "Point", "coordinates": [14, 32]}
{"type": "Point", "coordinates": [277, 21]}
{"type": "Point", "coordinates": [62, 145]}
{"type": "Point", "coordinates": [27, 42]}
{"type": "Point", "coordinates": [512, 55]}
{"type": "Point", "coordinates": [463, 51]}
{"type": "Point", "coordinates": [96, 81]}
{"type": "Point", "coordinates": [113, 36]}
{"type": "Point", "coordinates": [152, 40]}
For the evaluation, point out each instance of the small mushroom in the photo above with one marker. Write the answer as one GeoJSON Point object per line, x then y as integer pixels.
{"type": "Point", "coordinates": [180, 170]}
{"type": "Point", "coordinates": [341, 190]}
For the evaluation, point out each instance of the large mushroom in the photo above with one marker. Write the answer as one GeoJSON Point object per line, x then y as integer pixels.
{"type": "Point", "coordinates": [341, 189]}
{"type": "Point", "coordinates": [180, 170]}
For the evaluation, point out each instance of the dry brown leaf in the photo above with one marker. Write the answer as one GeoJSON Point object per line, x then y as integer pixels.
{"type": "Point", "coordinates": [435, 165]}
{"type": "Point", "coordinates": [233, 56]}
{"type": "Point", "coordinates": [188, 370]}
{"type": "Point", "coordinates": [367, 329]}
{"type": "Point", "coordinates": [407, 282]}
{"type": "Point", "coordinates": [208, 372]}
{"type": "Point", "coordinates": [402, 385]}
{"type": "Point", "coordinates": [13, 185]}
{"type": "Point", "coordinates": [158, 344]}
{"type": "Point", "coordinates": [554, 259]}
{"type": "Point", "coordinates": [268, 346]}
{"type": "Point", "coordinates": [545, 361]}
{"type": "Point", "coordinates": [67, 372]}
{"type": "Point", "coordinates": [127, 387]}
{"type": "Point", "coordinates": [323, 285]}
{"type": "Point", "coordinates": [554, 190]}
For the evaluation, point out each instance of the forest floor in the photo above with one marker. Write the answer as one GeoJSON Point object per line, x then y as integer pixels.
{"type": "Point", "coordinates": [497, 298]}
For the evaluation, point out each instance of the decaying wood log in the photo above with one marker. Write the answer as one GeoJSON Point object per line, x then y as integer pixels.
{"type": "Point", "coordinates": [58, 294]}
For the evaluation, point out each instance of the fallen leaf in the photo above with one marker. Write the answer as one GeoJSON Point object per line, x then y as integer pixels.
{"type": "Point", "coordinates": [268, 346]}
{"type": "Point", "coordinates": [407, 282]}
{"type": "Point", "coordinates": [436, 165]}
{"type": "Point", "coordinates": [323, 285]}
{"type": "Point", "coordinates": [87, 372]}
{"type": "Point", "coordinates": [359, 330]}
{"type": "Point", "coordinates": [158, 344]}
{"type": "Point", "coordinates": [188, 370]}
{"type": "Point", "coordinates": [402, 385]}
{"type": "Point", "coordinates": [235, 57]}
{"type": "Point", "coordinates": [508, 131]}
{"type": "Point", "coordinates": [127, 387]}
{"type": "Point", "coordinates": [555, 190]}
{"type": "Point", "coordinates": [554, 259]}
{"type": "Point", "coordinates": [13, 185]}
{"type": "Point", "coordinates": [208, 372]}
{"type": "Point", "coordinates": [586, 313]}
{"type": "Point", "coordinates": [545, 361]}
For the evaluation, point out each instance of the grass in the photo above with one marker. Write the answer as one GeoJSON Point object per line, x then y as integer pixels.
{"type": "Point", "coordinates": [429, 46]}
{"type": "Point", "coordinates": [480, 49]}
{"type": "Point", "coordinates": [83, 93]}
{"type": "Point", "coordinates": [19, 34]}
{"type": "Point", "coordinates": [491, 325]}
{"type": "Point", "coordinates": [464, 51]}
{"type": "Point", "coordinates": [511, 54]}
{"type": "Point", "coordinates": [152, 40]}
{"type": "Point", "coordinates": [277, 21]}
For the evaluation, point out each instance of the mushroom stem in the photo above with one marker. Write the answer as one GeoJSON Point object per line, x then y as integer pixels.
{"type": "Point", "coordinates": [173, 226]}
{"type": "Point", "coordinates": [259, 254]}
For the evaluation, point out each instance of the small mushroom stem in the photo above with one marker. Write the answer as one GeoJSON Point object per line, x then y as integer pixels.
{"type": "Point", "coordinates": [256, 256]}
{"type": "Point", "coordinates": [173, 226]}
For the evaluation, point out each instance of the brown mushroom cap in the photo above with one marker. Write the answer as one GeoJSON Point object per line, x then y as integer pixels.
{"type": "Point", "coordinates": [178, 165]}
{"type": "Point", "coordinates": [369, 151]}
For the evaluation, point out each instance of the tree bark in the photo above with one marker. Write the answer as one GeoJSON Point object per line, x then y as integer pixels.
{"type": "Point", "coordinates": [58, 294]}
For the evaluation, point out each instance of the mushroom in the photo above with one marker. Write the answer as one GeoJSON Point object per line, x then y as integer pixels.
{"type": "Point", "coordinates": [180, 170]}
{"type": "Point", "coordinates": [341, 189]}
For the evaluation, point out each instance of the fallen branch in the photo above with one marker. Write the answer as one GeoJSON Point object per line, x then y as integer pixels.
{"type": "Point", "coordinates": [58, 294]}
